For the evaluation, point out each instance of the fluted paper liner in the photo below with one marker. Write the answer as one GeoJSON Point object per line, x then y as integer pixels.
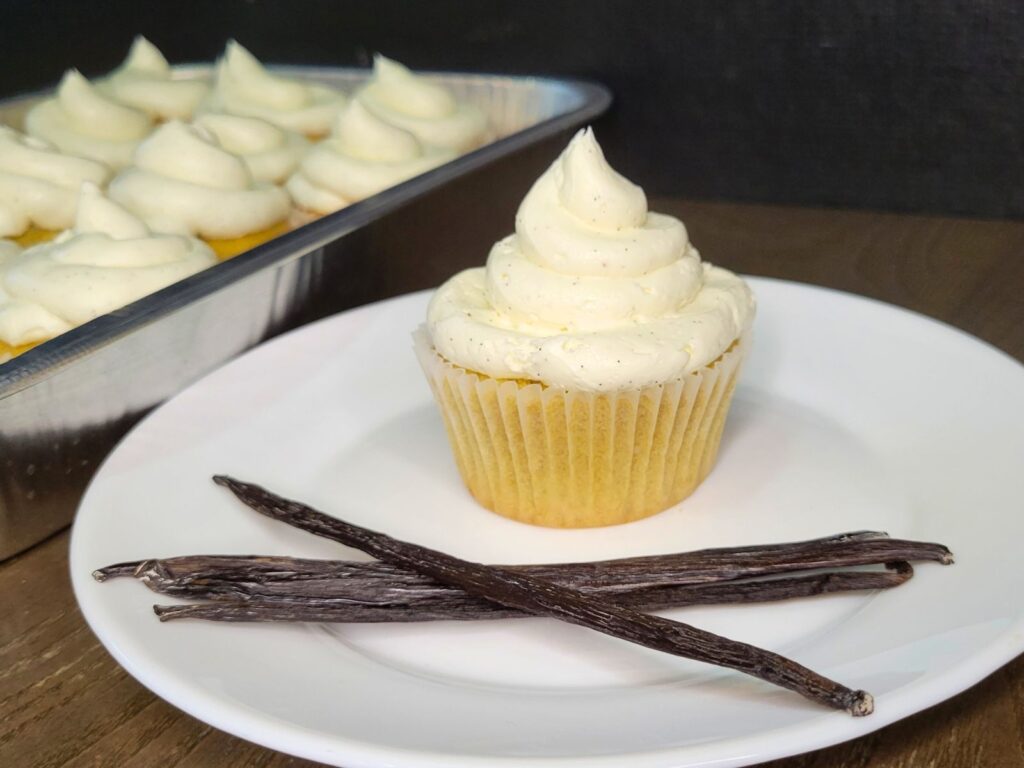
{"type": "Point", "coordinates": [572, 458]}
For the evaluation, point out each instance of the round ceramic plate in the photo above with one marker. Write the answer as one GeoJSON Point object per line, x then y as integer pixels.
{"type": "Point", "coordinates": [851, 415]}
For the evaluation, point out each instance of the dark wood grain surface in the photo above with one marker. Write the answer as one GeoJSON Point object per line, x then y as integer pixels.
{"type": "Point", "coordinates": [64, 702]}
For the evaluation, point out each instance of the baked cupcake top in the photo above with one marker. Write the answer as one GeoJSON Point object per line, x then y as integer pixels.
{"type": "Point", "coordinates": [109, 259]}
{"type": "Point", "coordinates": [363, 156]}
{"type": "Point", "coordinates": [38, 185]}
{"type": "Point", "coordinates": [144, 81]}
{"type": "Point", "coordinates": [182, 181]}
{"type": "Point", "coordinates": [80, 120]}
{"type": "Point", "coordinates": [244, 87]}
{"type": "Point", "coordinates": [270, 152]}
{"type": "Point", "coordinates": [592, 291]}
{"type": "Point", "coordinates": [427, 110]}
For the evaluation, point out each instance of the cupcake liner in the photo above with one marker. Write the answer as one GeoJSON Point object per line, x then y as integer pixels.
{"type": "Point", "coordinates": [571, 458]}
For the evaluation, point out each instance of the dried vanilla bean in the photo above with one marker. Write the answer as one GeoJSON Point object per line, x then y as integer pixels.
{"type": "Point", "coordinates": [459, 606]}
{"type": "Point", "coordinates": [540, 596]}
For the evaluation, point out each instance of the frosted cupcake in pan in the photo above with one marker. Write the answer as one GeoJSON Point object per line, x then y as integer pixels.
{"type": "Point", "coordinates": [269, 152]}
{"type": "Point", "coordinates": [427, 110]}
{"type": "Point", "coordinates": [244, 87]}
{"type": "Point", "coordinates": [182, 181]}
{"type": "Point", "coordinates": [39, 187]}
{"type": "Point", "coordinates": [144, 81]}
{"type": "Point", "coordinates": [363, 156]}
{"type": "Point", "coordinates": [109, 259]}
{"type": "Point", "coordinates": [585, 374]}
{"type": "Point", "coordinates": [80, 120]}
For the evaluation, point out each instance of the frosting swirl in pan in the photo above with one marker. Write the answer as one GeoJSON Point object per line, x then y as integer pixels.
{"type": "Point", "coordinates": [592, 291]}
{"type": "Point", "coordinates": [269, 152]}
{"type": "Point", "coordinates": [38, 185]}
{"type": "Point", "coordinates": [425, 109]}
{"type": "Point", "coordinates": [108, 260]}
{"type": "Point", "coordinates": [80, 120]}
{"type": "Point", "coordinates": [244, 87]}
{"type": "Point", "coordinates": [184, 182]}
{"type": "Point", "coordinates": [144, 81]}
{"type": "Point", "coordinates": [363, 156]}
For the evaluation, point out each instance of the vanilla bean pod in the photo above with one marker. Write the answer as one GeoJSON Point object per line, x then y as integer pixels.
{"type": "Point", "coordinates": [542, 597]}
{"type": "Point", "coordinates": [462, 607]}
{"type": "Point", "coordinates": [200, 576]}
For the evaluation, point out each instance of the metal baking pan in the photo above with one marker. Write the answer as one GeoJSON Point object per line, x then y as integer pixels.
{"type": "Point", "coordinates": [65, 403]}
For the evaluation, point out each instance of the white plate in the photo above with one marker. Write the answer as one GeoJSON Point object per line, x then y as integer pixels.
{"type": "Point", "coordinates": [852, 414]}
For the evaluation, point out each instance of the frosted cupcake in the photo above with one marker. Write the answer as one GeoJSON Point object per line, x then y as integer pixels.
{"type": "Point", "coordinates": [184, 182]}
{"type": "Point", "coordinates": [80, 120]}
{"type": "Point", "coordinates": [585, 374]}
{"type": "Point", "coordinates": [363, 156]}
{"type": "Point", "coordinates": [144, 81]}
{"type": "Point", "coordinates": [109, 259]}
{"type": "Point", "coordinates": [428, 111]}
{"type": "Point", "coordinates": [269, 152]}
{"type": "Point", "coordinates": [39, 187]}
{"type": "Point", "coordinates": [244, 87]}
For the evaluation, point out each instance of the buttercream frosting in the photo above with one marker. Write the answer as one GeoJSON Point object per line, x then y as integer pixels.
{"type": "Point", "coordinates": [270, 152]}
{"type": "Point", "coordinates": [244, 87]}
{"type": "Point", "coordinates": [39, 185]}
{"type": "Point", "coordinates": [592, 291]}
{"type": "Point", "coordinates": [80, 120]}
{"type": "Point", "coordinates": [145, 81]}
{"type": "Point", "coordinates": [109, 259]}
{"type": "Point", "coordinates": [182, 181]}
{"type": "Point", "coordinates": [427, 110]}
{"type": "Point", "coordinates": [363, 156]}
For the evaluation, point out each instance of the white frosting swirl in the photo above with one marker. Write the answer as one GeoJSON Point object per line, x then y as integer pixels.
{"type": "Point", "coordinates": [592, 292]}
{"type": "Point", "coordinates": [38, 185]}
{"type": "Point", "coordinates": [363, 156]}
{"type": "Point", "coordinates": [82, 121]}
{"type": "Point", "coordinates": [144, 81]}
{"type": "Point", "coordinates": [184, 182]}
{"type": "Point", "coordinates": [269, 152]}
{"type": "Point", "coordinates": [425, 109]}
{"type": "Point", "coordinates": [108, 260]}
{"type": "Point", "coordinates": [21, 321]}
{"type": "Point", "coordinates": [244, 87]}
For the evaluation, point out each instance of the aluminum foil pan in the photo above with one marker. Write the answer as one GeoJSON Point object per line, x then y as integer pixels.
{"type": "Point", "coordinates": [65, 403]}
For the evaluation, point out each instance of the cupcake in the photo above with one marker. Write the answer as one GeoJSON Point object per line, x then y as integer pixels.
{"type": "Point", "coordinates": [109, 259]}
{"type": "Point", "coordinates": [144, 81]}
{"type": "Point", "coordinates": [363, 156]}
{"type": "Point", "coordinates": [80, 120]}
{"type": "Point", "coordinates": [182, 181]}
{"type": "Point", "coordinates": [585, 374]}
{"type": "Point", "coordinates": [244, 87]}
{"type": "Point", "coordinates": [428, 111]}
{"type": "Point", "coordinates": [39, 187]}
{"type": "Point", "coordinates": [269, 152]}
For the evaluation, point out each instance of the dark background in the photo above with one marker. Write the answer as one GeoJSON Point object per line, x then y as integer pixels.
{"type": "Point", "coordinates": [913, 106]}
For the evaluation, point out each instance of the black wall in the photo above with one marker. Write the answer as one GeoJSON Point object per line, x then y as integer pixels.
{"type": "Point", "coordinates": [913, 105]}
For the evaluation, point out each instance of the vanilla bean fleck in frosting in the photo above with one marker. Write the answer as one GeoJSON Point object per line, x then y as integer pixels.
{"type": "Point", "coordinates": [427, 110]}
{"type": "Point", "coordinates": [108, 260]}
{"type": "Point", "coordinates": [39, 185]}
{"type": "Point", "coordinates": [80, 120]}
{"type": "Point", "coordinates": [271, 153]}
{"type": "Point", "coordinates": [592, 291]}
{"type": "Point", "coordinates": [144, 81]}
{"type": "Point", "coordinates": [362, 156]}
{"type": "Point", "coordinates": [182, 181]}
{"type": "Point", "coordinates": [244, 87]}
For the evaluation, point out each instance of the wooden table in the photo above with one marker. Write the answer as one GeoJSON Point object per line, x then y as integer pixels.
{"type": "Point", "coordinates": [64, 702]}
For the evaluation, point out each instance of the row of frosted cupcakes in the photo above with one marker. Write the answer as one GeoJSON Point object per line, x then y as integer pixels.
{"type": "Point", "coordinates": [260, 153]}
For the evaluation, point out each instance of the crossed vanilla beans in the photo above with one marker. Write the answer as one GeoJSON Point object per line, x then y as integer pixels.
{"type": "Point", "coordinates": [409, 582]}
